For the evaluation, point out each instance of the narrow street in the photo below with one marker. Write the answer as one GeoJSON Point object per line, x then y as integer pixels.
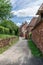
{"type": "Point", "coordinates": [19, 54]}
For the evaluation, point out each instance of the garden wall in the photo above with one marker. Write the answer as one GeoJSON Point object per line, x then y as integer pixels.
{"type": "Point", "coordinates": [37, 35]}
{"type": "Point", "coordinates": [4, 42]}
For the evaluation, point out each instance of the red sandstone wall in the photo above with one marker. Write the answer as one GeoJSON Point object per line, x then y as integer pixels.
{"type": "Point", "coordinates": [5, 42]}
{"type": "Point", "coordinates": [37, 36]}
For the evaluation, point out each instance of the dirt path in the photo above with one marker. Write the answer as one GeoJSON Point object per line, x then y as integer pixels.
{"type": "Point", "coordinates": [19, 54]}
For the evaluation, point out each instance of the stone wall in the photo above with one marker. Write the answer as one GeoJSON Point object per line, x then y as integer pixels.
{"type": "Point", "coordinates": [4, 42]}
{"type": "Point", "coordinates": [37, 35]}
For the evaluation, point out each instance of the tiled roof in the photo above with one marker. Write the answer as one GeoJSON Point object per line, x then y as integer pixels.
{"type": "Point", "coordinates": [40, 10]}
{"type": "Point", "coordinates": [23, 24]}
{"type": "Point", "coordinates": [33, 22]}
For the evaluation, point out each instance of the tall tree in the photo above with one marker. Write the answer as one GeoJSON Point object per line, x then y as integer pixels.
{"type": "Point", "coordinates": [5, 9]}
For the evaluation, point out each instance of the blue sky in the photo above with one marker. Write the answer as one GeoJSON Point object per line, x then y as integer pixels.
{"type": "Point", "coordinates": [24, 10]}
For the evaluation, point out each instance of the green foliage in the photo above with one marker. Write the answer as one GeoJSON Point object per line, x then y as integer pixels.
{"type": "Point", "coordinates": [35, 51]}
{"type": "Point", "coordinates": [6, 25]}
{"type": "Point", "coordinates": [30, 34]}
{"type": "Point", "coordinates": [6, 30]}
{"type": "Point", "coordinates": [1, 29]}
{"type": "Point", "coordinates": [10, 27]}
{"type": "Point", "coordinates": [16, 31]}
{"type": "Point", "coordinates": [13, 32]}
{"type": "Point", "coordinates": [5, 9]}
{"type": "Point", "coordinates": [4, 36]}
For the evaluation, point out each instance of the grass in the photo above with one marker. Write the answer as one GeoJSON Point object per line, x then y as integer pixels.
{"type": "Point", "coordinates": [8, 46]}
{"type": "Point", "coordinates": [5, 36]}
{"type": "Point", "coordinates": [34, 50]}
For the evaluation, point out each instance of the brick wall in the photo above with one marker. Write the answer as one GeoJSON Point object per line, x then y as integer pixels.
{"type": "Point", "coordinates": [37, 35]}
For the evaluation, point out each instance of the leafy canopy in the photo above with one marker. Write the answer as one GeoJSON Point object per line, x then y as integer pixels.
{"type": "Point", "coordinates": [5, 9]}
{"type": "Point", "coordinates": [11, 25]}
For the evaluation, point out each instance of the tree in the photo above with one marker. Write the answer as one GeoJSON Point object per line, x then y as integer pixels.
{"type": "Point", "coordinates": [13, 28]}
{"type": "Point", "coordinates": [5, 9]}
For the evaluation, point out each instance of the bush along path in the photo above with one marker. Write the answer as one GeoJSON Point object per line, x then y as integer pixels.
{"type": "Point", "coordinates": [34, 50]}
{"type": "Point", "coordinates": [19, 54]}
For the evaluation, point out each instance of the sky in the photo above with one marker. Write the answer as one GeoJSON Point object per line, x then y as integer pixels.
{"type": "Point", "coordinates": [24, 10]}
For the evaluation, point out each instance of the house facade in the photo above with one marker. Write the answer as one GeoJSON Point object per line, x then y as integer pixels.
{"type": "Point", "coordinates": [37, 31]}
{"type": "Point", "coordinates": [32, 24]}
{"type": "Point", "coordinates": [23, 30]}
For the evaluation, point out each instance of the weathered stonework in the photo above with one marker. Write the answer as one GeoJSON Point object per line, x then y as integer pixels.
{"type": "Point", "coordinates": [5, 42]}
{"type": "Point", "coordinates": [37, 35]}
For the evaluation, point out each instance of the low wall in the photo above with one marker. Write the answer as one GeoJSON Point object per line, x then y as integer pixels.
{"type": "Point", "coordinates": [4, 42]}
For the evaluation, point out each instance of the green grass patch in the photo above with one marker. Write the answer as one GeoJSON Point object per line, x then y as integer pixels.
{"type": "Point", "coordinates": [34, 50]}
{"type": "Point", "coordinates": [5, 36]}
{"type": "Point", "coordinates": [8, 46]}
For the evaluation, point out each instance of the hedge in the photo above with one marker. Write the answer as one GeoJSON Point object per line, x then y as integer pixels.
{"type": "Point", "coordinates": [1, 29]}
{"type": "Point", "coordinates": [4, 30]}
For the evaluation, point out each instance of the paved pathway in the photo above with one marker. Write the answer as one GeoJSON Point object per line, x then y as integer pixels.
{"type": "Point", "coordinates": [19, 54]}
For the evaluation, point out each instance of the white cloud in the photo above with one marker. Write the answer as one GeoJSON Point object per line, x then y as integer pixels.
{"type": "Point", "coordinates": [28, 21]}
{"type": "Point", "coordinates": [25, 8]}
{"type": "Point", "coordinates": [18, 24]}
{"type": "Point", "coordinates": [29, 7]}
{"type": "Point", "coordinates": [30, 11]}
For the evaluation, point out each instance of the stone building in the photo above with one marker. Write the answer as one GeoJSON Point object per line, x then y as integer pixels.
{"type": "Point", "coordinates": [32, 24]}
{"type": "Point", "coordinates": [23, 30]}
{"type": "Point", "coordinates": [37, 31]}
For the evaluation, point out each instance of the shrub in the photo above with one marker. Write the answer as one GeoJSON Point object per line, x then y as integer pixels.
{"type": "Point", "coordinates": [30, 34]}
{"type": "Point", "coordinates": [13, 32]}
{"type": "Point", "coordinates": [1, 29]}
{"type": "Point", "coordinates": [12, 28]}
{"type": "Point", "coordinates": [34, 50]}
{"type": "Point", "coordinates": [6, 30]}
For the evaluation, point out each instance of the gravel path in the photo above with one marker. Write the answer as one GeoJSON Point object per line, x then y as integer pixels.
{"type": "Point", "coordinates": [19, 54]}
